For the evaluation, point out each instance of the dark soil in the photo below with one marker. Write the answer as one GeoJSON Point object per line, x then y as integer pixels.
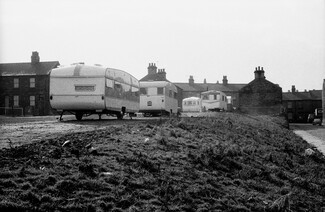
{"type": "Point", "coordinates": [230, 162]}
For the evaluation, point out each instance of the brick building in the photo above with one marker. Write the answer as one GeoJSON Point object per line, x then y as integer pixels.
{"type": "Point", "coordinates": [24, 87]}
{"type": "Point", "coordinates": [298, 105]}
{"type": "Point", "coordinates": [260, 95]}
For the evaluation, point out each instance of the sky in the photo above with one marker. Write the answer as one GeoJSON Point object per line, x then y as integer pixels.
{"type": "Point", "coordinates": [207, 39]}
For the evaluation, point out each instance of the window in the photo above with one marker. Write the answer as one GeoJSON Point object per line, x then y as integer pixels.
{"type": "Point", "coordinates": [149, 103]}
{"type": "Point", "coordinates": [109, 83]}
{"type": "Point", "coordinates": [16, 101]}
{"type": "Point", "coordinates": [229, 99]}
{"type": "Point", "coordinates": [16, 83]}
{"type": "Point", "coordinates": [117, 85]}
{"type": "Point", "coordinates": [32, 82]}
{"type": "Point", "coordinates": [7, 101]}
{"type": "Point", "coordinates": [289, 104]}
{"type": "Point", "coordinates": [143, 91]}
{"type": "Point", "coordinates": [205, 97]}
{"type": "Point", "coordinates": [135, 91]}
{"type": "Point", "coordinates": [84, 88]}
{"type": "Point", "coordinates": [32, 101]}
{"type": "Point", "coordinates": [160, 91]}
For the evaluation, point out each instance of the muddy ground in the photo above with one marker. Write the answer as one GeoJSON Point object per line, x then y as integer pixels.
{"type": "Point", "coordinates": [16, 131]}
{"type": "Point", "coordinates": [231, 162]}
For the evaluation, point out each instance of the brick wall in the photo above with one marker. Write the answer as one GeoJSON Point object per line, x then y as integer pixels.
{"type": "Point", "coordinates": [24, 91]}
{"type": "Point", "coordinates": [260, 96]}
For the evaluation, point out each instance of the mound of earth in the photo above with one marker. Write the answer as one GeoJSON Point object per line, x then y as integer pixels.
{"type": "Point", "coordinates": [231, 162]}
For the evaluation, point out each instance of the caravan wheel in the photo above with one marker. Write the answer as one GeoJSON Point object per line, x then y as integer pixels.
{"type": "Point", "coordinates": [79, 116]}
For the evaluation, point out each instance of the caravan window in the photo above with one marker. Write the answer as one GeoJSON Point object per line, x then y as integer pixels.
{"type": "Point", "coordinates": [160, 90]}
{"type": "Point", "coordinates": [84, 88]}
{"type": "Point", "coordinates": [109, 83]}
{"type": "Point", "coordinates": [143, 91]}
{"type": "Point", "coordinates": [117, 85]}
{"type": "Point", "coordinates": [170, 93]}
{"type": "Point", "coordinates": [135, 91]}
{"type": "Point", "coordinates": [126, 87]}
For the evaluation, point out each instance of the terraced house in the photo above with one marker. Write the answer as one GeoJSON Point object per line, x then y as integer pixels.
{"type": "Point", "coordinates": [24, 87]}
{"type": "Point", "coordinates": [298, 104]}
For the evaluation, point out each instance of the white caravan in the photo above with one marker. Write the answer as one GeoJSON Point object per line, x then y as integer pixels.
{"type": "Point", "coordinates": [158, 98]}
{"type": "Point", "coordinates": [84, 90]}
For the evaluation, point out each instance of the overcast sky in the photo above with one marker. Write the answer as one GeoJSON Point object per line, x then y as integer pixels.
{"type": "Point", "coordinates": [204, 38]}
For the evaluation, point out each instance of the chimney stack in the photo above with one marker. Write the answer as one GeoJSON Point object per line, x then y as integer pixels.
{"type": "Point", "coordinates": [191, 80]}
{"type": "Point", "coordinates": [152, 69]}
{"type": "Point", "coordinates": [293, 89]}
{"type": "Point", "coordinates": [35, 58]}
{"type": "Point", "coordinates": [259, 73]}
{"type": "Point", "coordinates": [162, 72]}
{"type": "Point", "coordinates": [224, 80]}
{"type": "Point", "coordinates": [205, 81]}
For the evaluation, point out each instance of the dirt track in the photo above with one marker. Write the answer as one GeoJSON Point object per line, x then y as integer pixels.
{"type": "Point", "coordinates": [16, 131]}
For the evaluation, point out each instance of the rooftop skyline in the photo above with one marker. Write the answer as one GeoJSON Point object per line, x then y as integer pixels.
{"type": "Point", "coordinates": [206, 39]}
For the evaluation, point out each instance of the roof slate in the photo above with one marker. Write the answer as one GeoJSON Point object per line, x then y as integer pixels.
{"type": "Point", "coordinates": [17, 69]}
{"type": "Point", "coordinates": [154, 77]}
{"type": "Point", "coordinates": [306, 95]}
{"type": "Point", "coordinates": [209, 86]}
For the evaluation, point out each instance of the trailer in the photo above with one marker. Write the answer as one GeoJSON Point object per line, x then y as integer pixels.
{"type": "Point", "coordinates": [84, 90]}
{"type": "Point", "coordinates": [213, 100]}
{"type": "Point", "coordinates": [158, 98]}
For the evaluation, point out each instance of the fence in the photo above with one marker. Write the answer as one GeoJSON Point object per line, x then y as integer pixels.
{"type": "Point", "coordinates": [9, 111]}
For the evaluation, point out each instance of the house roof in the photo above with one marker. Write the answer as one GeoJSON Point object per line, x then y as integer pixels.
{"type": "Point", "coordinates": [18, 69]}
{"type": "Point", "coordinates": [261, 81]}
{"type": "Point", "coordinates": [209, 86]}
{"type": "Point", "coordinates": [306, 95]}
{"type": "Point", "coordinates": [155, 77]}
